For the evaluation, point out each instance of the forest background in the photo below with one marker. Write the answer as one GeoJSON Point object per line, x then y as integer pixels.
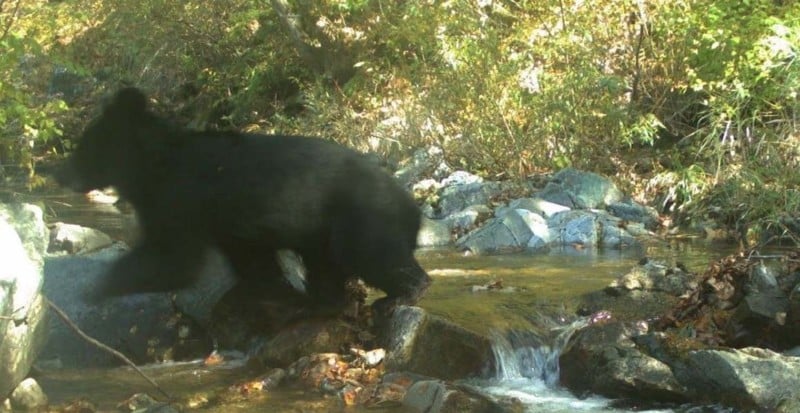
{"type": "Point", "coordinates": [691, 105]}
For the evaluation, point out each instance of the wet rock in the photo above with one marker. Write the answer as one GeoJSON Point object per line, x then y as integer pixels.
{"type": "Point", "coordinates": [654, 276]}
{"type": "Point", "coordinates": [145, 327]}
{"type": "Point", "coordinates": [23, 312]}
{"type": "Point", "coordinates": [304, 338]}
{"type": "Point", "coordinates": [272, 378]}
{"type": "Point", "coordinates": [633, 211]}
{"type": "Point", "coordinates": [435, 396]}
{"type": "Point", "coordinates": [604, 359]}
{"type": "Point", "coordinates": [618, 361]}
{"type": "Point", "coordinates": [418, 393]}
{"type": "Point", "coordinates": [748, 379]}
{"type": "Point", "coordinates": [28, 396]}
{"type": "Point", "coordinates": [425, 344]}
{"type": "Point", "coordinates": [392, 388]}
{"type": "Point", "coordinates": [136, 402]}
{"type": "Point", "coordinates": [75, 239]}
{"type": "Point", "coordinates": [580, 190]}
{"type": "Point", "coordinates": [762, 278]}
{"type": "Point", "coordinates": [757, 310]}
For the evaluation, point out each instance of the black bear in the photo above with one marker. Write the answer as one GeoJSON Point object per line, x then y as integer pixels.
{"type": "Point", "coordinates": [248, 195]}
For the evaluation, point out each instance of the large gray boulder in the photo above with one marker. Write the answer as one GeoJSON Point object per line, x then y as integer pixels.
{"type": "Point", "coordinates": [23, 239]}
{"type": "Point", "coordinates": [145, 327]}
{"type": "Point", "coordinates": [581, 190]}
{"type": "Point", "coordinates": [604, 359]}
{"type": "Point", "coordinates": [544, 208]}
{"type": "Point", "coordinates": [576, 227]}
{"type": "Point", "coordinates": [751, 379]}
{"type": "Point", "coordinates": [455, 198]}
{"type": "Point", "coordinates": [635, 212]}
{"type": "Point", "coordinates": [619, 359]}
{"type": "Point", "coordinates": [511, 232]}
{"type": "Point", "coordinates": [425, 344]}
{"type": "Point", "coordinates": [592, 228]}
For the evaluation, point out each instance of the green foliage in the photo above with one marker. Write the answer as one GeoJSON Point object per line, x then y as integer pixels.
{"type": "Point", "coordinates": [505, 88]}
{"type": "Point", "coordinates": [743, 65]}
{"type": "Point", "coordinates": [680, 188]}
{"type": "Point", "coordinates": [27, 121]}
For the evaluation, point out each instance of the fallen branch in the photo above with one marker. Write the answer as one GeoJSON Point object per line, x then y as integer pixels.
{"type": "Point", "coordinates": [63, 316]}
{"type": "Point", "coordinates": [772, 257]}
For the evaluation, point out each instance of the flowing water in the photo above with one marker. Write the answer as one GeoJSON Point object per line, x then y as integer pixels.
{"type": "Point", "coordinates": [527, 369]}
{"type": "Point", "coordinates": [529, 315]}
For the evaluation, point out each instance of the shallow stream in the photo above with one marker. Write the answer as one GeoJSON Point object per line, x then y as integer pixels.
{"type": "Point", "coordinates": [533, 285]}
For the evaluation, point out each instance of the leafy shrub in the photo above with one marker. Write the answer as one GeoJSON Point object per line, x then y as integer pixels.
{"type": "Point", "coordinates": [27, 119]}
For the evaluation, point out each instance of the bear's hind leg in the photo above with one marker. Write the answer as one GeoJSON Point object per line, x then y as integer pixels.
{"type": "Point", "coordinates": [325, 283]}
{"type": "Point", "coordinates": [151, 267]}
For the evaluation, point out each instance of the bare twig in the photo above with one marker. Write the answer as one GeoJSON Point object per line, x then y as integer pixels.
{"type": "Point", "coordinates": [642, 33]}
{"type": "Point", "coordinates": [772, 257]}
{"type": "Point", "coordinates": [11, 19]}
{"type": "Point", "coordinates": [63, 316]}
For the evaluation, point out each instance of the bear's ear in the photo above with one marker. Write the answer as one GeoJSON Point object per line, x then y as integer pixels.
{"type": "Point", "coordinates": [130, 101]}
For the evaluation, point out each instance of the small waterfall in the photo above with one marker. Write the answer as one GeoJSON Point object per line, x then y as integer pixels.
{"type": "Point", "coordinates": [527, 369]}
{"type": "Point", "coordinates": [532, 354]}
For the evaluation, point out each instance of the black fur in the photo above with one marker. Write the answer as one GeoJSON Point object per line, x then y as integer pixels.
{"type": "Point", "coordinates": [247, 195]}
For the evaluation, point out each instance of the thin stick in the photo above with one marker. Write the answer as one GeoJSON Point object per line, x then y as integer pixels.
{"type": "Point", "coordinates": [63, 316]}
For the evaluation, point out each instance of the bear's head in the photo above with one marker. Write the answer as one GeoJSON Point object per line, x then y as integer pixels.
{"type": "Point", "coordinates": [111, 150]}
